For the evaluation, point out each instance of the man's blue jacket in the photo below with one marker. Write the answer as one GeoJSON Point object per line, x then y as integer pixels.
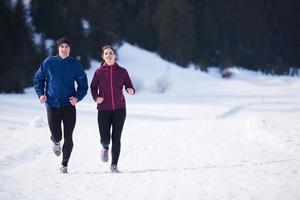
{"type": "Point", "coordinates": [56, 79]}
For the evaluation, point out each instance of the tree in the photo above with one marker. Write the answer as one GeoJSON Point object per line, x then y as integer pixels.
{"type": "Point", "coordinates": [45, 17]}
{"type": "Point", "coordinates": [56, 19]}
{"type": "Point", "coordinates": [206, 34]}
{"type": "Point", "coordinates": [138, 23]}
{"type": "Point", "coordinates": [176, 31]}
{"type": "Point", "coordinates": [5, 38]}
{"type": "Point", "coordinates": [19, 69]}
{"type": "Point", "coordinates": [104, 18]}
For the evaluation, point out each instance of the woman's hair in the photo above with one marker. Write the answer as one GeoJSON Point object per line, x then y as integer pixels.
{"type": "Point", "coordinates": [107, 47]}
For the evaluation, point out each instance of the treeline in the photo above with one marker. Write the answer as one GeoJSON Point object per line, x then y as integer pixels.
{"type": "Point", "coordinates": [19, 55]}
{"type": "Point", "coordinates": [257, 35]}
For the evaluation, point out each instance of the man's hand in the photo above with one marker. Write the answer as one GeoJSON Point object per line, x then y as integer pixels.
{"type": "Point", "coordinates": [73, 100]}
{"type": "Point", "coordinates": [99, 100]}
{"type": "Point", "coordinates": [43, 99]}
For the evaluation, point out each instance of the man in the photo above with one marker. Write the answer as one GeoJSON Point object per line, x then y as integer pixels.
{"type": "Point", "coordinates": [54, 83]}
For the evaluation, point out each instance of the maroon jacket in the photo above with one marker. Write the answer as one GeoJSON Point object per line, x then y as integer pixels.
{"type": "Point", "coordinates": [108, 82]}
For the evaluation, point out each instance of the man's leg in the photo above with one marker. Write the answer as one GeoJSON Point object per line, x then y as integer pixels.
{"type": "Point", "coordinates": [54, 122]}
{"type": "Point", "coordinates": [69, 120]}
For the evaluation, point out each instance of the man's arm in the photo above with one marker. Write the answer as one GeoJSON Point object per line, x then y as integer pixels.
{"type": "Point", "coordinates": [82, 83]}
{"type": "Point", "coordinates": [39, 81]}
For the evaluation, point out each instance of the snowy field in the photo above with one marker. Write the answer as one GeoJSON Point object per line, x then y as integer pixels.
{"type": "Point", "coordinates": [203, 138]}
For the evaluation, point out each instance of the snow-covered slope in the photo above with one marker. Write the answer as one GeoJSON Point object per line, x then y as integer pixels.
{"type": "Point", "coordinates": [202, 138]}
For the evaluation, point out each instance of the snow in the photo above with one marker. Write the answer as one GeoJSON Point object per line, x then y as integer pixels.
{"type": "Point", "coordinates": [204, 137]}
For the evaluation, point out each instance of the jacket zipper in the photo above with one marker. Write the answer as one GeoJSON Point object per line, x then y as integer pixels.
{"type": "Point", "coordinates": [111, 88]}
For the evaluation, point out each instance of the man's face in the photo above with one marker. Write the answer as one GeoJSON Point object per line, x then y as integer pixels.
{"type": "Point", "coordinates": [64, 50]}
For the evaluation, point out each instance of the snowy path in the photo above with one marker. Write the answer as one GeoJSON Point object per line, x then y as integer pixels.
{"type": "Point", "coordinates": [170, 151]}
{"type": "Point", "coordinates": [205, 138]}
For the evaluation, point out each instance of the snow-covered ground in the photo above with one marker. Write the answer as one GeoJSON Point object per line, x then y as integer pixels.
{"type": "Point", "coordinates": [203, 138]}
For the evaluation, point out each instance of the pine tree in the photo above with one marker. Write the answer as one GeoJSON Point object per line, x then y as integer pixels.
{"type": "Point", "coordinates": [105, 19]}
{"type": "Point", "coordinates": [56, 19]}
{"type": "Point", "coordinates": [73, 28]}
{"type": "Point", "coordinates": [138, 23]}
{"type": "Point", "coordinates": [5, 38]}
{"type": "Point", "coordinates": [176, 31]}
{"type": "Point", "coordinates": [19, 70]}
{"type": "Point", "coordinates": [45, 18]}
{"type": "Point", "coordinates": [206, 34]}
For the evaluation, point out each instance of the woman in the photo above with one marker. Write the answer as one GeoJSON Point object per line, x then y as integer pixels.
{"type": "Point", "coordinates": [107, 91]}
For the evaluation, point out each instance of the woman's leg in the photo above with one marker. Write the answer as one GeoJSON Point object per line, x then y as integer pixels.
{"type": "Point", "coordinates": [104, 124]}
{"type": "Point", "coordinates": [118, 120]}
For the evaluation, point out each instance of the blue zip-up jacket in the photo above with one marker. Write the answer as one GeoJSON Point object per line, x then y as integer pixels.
{"type": "Point", "coordinates": [56, 79]}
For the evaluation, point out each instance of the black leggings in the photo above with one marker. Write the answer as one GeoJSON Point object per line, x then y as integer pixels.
{"type": "Point", "coordinates": [114, 119]}
{"type": "Point", "coordinates": [67, 115]}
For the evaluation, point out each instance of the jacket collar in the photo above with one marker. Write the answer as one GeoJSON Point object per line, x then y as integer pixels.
{"type": "Point", "coordinates": [60, 58]}
{"type": "Point", "coordinates": [105, 65]}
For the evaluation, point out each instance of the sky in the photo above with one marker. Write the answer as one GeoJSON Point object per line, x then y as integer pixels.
{"type": "Point", "coordinates": [188, 135]}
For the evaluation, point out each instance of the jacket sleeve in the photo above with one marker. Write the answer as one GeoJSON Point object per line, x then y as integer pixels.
{"type": "Point", "coordinates": [39, 80]}
{"type": "Point", "coordinates": [82, 83]}
{"type": "Point", "coordinates": [95, 89]}
{"type": "Point", "coordinates": [127, 82]}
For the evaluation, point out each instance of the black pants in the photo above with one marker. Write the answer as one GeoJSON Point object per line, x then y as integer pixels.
{"type": "Point", "coordinates": [67, 115]}
{"type": "Point", "coordinates": [114, 119]}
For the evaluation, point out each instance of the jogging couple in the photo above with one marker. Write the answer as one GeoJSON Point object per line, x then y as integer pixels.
{"type": "Point", "coordinates": [54, 83]}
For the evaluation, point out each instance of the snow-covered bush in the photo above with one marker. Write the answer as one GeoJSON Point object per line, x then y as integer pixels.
{"type": "Point", "coordinates": [228, 72]}
{"type": "Point", "coordinates": [161, 85]}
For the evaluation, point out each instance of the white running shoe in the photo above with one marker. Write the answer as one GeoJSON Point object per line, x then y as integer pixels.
{"type": "Point", "coordinates": [57, 149]}
{"type": "Point", "coordinates": [64, 170]}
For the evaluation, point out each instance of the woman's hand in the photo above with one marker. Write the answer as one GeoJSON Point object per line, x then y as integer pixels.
{"type": "Point", "coordinates": [99, 100]}
{"type": "Point", "coordinates": [130, 91]}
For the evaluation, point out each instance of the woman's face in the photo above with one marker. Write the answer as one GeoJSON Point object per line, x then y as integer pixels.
{"type": "Point", "coordinates": [109, 56]}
